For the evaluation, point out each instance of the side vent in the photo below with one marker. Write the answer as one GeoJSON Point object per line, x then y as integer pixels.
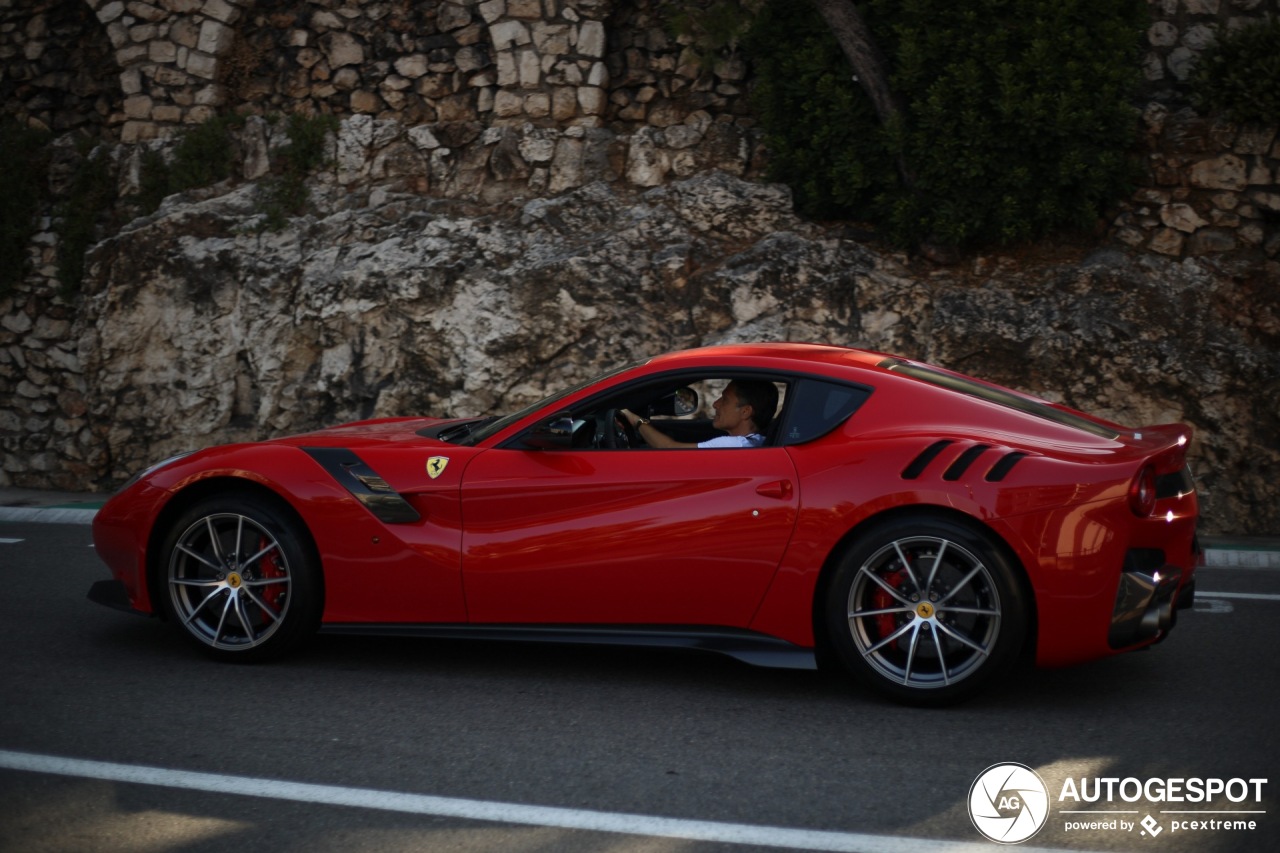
{"type": "Point", "coordinates": [364, 484]}
{"type": "Point", "coordinates": [1002, 468]}
{"type": "Point", "coordinates": [963, 461]}
{"type": "Point", "coordinates": [917, 466]}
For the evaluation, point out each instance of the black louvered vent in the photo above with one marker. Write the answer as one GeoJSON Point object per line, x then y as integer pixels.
{"type": "Point", "coordinates": [917, 466]}
{"type": "Point", "coordinates": [963, 461]}
{"type": "Point", "coordinates": [1004, 466]}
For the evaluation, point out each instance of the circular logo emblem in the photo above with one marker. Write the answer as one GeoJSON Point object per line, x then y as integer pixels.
{"type": "Point", "coordinates": [1008, 803]}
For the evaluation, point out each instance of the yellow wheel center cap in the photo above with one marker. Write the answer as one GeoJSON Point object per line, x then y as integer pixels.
{"type": "Point", "coordinates": [234, 581]}
{"type": "Point", "coordinates": [924, 610]}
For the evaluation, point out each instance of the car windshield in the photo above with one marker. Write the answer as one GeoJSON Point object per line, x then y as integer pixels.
{"type": "Point", "coordinates": [497, 425]}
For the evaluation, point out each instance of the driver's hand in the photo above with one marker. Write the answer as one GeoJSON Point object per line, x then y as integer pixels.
{"type": "Point", "coordinates": [631, 417]}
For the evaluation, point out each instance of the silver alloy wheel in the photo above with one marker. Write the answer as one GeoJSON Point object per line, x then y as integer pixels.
{"type": "Point", "coordinates": [229, 581]}
{"type": "Point", "coordinates": [924, 612]}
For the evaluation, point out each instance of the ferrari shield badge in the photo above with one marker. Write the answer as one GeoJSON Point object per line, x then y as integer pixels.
{"type": "Point", "coordinates": [436, 465]}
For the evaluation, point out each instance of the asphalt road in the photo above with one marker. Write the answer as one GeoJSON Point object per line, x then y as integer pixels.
{"type": "Point", "coordinates": [388, 745]}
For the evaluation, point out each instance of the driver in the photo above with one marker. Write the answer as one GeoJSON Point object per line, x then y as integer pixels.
{"type": "Point", "coordinates": [744, 411]}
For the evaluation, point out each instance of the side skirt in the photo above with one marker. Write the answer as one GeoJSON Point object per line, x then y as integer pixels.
{"type": "Point", "coordinates": [746, 646]}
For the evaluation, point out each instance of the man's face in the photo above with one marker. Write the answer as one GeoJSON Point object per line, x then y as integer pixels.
{"type": "Point", "coordinates": [729, 412]}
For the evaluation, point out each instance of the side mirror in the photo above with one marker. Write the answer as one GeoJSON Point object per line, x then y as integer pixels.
{"type": "Point", "coordinates": [553, 433]}
{"type": "Point", "coordinates": [680, 402]}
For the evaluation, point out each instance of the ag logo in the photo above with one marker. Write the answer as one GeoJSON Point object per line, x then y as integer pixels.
{"type": "Point", "coordinates": [1008, 803]}
{"type": "Point", "coordinates": [435, 466]}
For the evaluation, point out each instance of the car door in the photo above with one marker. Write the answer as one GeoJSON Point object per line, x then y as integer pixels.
{"type": "Point", "coordinates": [638, 536]}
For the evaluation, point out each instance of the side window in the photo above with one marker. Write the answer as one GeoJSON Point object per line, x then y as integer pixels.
{"type": "Point", "coordinates": [700, 425]}
{"type": "Point", "coordinates": [595, 423]}
{"type": "Point", "coordinates": [818, 407]}
{"type": "Point", "coordinates": [709, 390]}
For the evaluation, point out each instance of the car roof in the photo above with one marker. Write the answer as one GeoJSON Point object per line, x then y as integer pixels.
{"type": "Point", "coordinates": [775, 355]}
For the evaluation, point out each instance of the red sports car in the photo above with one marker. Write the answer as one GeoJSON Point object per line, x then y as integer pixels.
{"type": "Point", "coordinates": [919, 527]}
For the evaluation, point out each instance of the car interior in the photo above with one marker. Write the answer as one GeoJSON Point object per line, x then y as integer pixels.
{"type": "Point", "coordinates": [681, 406]}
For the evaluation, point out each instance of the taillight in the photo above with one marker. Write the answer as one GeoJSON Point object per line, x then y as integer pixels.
{"type": "Point", "coordinates": [1142, 492]}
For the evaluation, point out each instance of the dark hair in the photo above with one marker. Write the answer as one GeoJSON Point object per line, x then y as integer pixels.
{"type": "Point", "coordinates": [761, 396]}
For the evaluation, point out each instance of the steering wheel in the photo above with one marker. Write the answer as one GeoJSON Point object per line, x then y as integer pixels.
{"type": "Point", "coordinates": [617, 432]}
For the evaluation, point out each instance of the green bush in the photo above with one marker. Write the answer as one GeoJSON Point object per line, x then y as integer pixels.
{"type": "Point", "coordinates": [153, 181]}
{"type": "Point", "coordinates": [285, 193]}
{"type": "Point", "coordinates": [1239, 76]}
{"type": "Point", "coordinates": [711, 28]}
{"type": "Point", "coordinates": [203, 156]}
{"type": "Point", "coordinates": [22, 192]}
{"type": "Point", "coordinates": [93, 191]}
{"type": "Point", "coordinates": [819, 123]}
{"type": "Point", "coordinates": [1015, 121]}
{"type": "Point", "coordinates": [206, 154]}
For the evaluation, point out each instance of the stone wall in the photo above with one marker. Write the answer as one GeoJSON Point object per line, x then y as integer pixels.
{"type": "Point", "coordinates": [45, 438]}
{"type": "Point", "coordinates": [58, 71]}
{"type": "Point", "coordinates": [452, 69]}
{"type": "Point", "coordinates": [168, 51]}
{"type": "Point", "coordinates": [1180, 31]}
{"type": "Point", "coordinates": [1213, 188]}
{"type": "Point", "coordinates": [177, 62]}
{"type": "Point", "coordinates": [548, 62]}
{"type": "Point", "coordinates": [1210, 187]}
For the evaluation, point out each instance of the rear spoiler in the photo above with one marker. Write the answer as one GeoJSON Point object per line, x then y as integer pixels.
{"type": "Point", "coordinates": [1165, 445]}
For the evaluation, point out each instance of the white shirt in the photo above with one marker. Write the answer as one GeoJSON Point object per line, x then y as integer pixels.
{"type": "Point", "coordinates": [753, 440]}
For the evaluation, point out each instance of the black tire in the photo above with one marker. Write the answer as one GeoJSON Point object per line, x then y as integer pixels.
{"type": "Point", "coordinates": [932, 630]}
{"type": "Point", "coordinates": [241, 577]}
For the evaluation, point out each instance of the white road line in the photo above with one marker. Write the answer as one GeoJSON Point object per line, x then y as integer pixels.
{"type": "Point", "coordinates": [1250, 596]}
{"type": "Point", "coordinates": [9, 541]}
{"type": "Point", "coordinates": [580, 819]}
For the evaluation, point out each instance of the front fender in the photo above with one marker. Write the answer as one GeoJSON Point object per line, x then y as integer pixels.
{"type": "Point", "coordinates": [373, 571]}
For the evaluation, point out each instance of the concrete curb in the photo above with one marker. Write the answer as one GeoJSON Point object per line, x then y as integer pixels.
{"type": "Point", "coordinates": [1241, 557]}
{"type": "Point", "coordinates": [48, 515]}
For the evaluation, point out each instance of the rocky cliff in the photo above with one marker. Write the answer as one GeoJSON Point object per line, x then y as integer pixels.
{"type": "Point", "coordinates": [199, 327]}
{"type": "Point", "coordinates": [521, 193]}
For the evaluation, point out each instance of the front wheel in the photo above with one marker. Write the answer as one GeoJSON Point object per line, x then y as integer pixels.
{"type": "Point", "coordinates": [925, 610]}
{"type": "Point", "coordinates": [241, 577]}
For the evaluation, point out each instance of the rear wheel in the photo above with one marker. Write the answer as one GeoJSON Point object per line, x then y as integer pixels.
{"type": "Point", "coordinates": [241, 577]}
{"type": "Point", "coordinates": [925, 610]}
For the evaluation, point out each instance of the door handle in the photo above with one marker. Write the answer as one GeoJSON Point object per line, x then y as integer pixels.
{"type": "Point", "coordinates": [780, 489]}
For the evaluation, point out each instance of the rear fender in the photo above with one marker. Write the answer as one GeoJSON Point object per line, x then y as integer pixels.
{"type": "Point", "coordinates": [798, 585]}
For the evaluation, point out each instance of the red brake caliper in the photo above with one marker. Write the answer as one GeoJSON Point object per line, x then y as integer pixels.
{"type": "Point", "coordinates": [887, 623]}
{"type": "Point", "coordinates": [269, 567]}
